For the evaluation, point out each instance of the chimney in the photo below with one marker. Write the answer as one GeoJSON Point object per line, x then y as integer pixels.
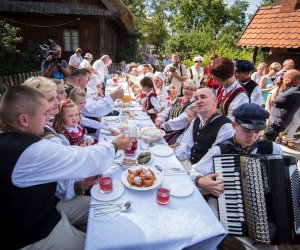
{"type": "Point", "coordinates": [288, 5]}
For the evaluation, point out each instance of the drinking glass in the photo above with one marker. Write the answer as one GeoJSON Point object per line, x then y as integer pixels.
{"type": "Point", "coordinates": [105, 183]}
{"type": "Point", "coordinates": [163, 195]}
{"type": "Point", "coordinates": [132, 133]}
{"type": "Point", "coordinates": [115, 78]}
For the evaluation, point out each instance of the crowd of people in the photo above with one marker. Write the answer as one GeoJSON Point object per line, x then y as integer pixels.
{"type": "Point", "coordinates": [222, 108]}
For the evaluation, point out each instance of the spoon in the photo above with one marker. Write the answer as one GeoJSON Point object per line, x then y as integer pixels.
{"type": "Point", "coordinates": [121, 209]}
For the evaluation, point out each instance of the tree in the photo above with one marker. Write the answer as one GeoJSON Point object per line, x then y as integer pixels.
{"type": "Point", "coordinates": [9, 39]}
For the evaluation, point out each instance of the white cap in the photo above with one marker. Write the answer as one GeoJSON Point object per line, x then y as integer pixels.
{"type": "Point", "coordinates": [160, 75]}
{"type": "Point", "coordinates": [88, 55]}
{"type": "Point", "coordinates": [198, 58]}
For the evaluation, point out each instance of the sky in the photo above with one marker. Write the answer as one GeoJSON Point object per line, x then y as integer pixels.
{"type": "Point", "coordinates": [252, 5]}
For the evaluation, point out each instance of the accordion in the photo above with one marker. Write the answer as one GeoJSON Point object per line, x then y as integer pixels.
{"type": "Point", "coordinates": [261, 197]}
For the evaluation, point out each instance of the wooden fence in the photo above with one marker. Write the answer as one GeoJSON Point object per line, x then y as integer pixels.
{"type": "Point", "coordinates": [7, 81]}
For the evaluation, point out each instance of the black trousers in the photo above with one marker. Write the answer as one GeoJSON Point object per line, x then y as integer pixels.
{"type": "Point", "coordinates": [271, 132]}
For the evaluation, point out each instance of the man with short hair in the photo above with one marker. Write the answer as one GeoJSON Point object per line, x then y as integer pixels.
{"type": "Point", "coordinates": [242, 70]}
{"type": "Point", "coordinates": [206, 130]}
{"type": "Point", "coordinates": [249, 122]}
{"type": "Point", "coordinates": [101, 66]}
{"type": "Point", "coordinates": [175, 73]}
{"type": "Point", "coordinates": [287, 102]}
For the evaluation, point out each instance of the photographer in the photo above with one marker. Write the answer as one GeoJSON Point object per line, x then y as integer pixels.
{"type": "Point", "coordinates": [175, 73]}
{"type": "Point", "coordinates": [53, 66]}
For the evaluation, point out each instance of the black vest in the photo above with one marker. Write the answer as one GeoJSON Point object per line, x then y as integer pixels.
{"type": "Point", "coordinates": [205, 137]}
{"type": "Point", "coordinates": [264, 147]}
{"type": "Point", "coordinates": [250, 86]}
{"type": "Point", "coordinates": [27, 214]}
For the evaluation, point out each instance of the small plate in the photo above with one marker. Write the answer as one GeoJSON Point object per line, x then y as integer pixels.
{"type": "Point", "coordinates": [148, 163]}
{"type": "Point", "coordinates": [136, 108]}
{"type": "Point", "coordinates": [118, 189]}
{"type": "Point", "coordinates": [161, 150]}
{"type": "Point", "coordinates": [157, 182]}
{"type": "Point", "coordinates": [142, 117]}
{"type": "Point", "coordinates": [181, 188]}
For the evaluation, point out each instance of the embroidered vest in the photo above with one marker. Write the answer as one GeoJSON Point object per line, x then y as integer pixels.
{"type": "Point", "coordinates": [148, 105]}
{"type": "Point", "coordinates": [177, 109]}
{"type": "Point", "coordinates": [75, 138]}
{"type": "Point", "coordinates": [224, 102]}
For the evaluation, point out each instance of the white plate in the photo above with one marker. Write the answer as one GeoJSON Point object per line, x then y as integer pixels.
{"type": "Point", "coordinates": [161, 150]}
{"type": "Point", "coordinates": [181, 188]}
{"type": "Point", "coordinates": [110, 118]}
{"type": "Point", "coordinates": [136, 108]}
{"type": "Point", "coordinates": [118, 189]}
{"type": "Point", "coordinates": [142, 117]}
{"type": "Point", "coordinates": [157, 181]}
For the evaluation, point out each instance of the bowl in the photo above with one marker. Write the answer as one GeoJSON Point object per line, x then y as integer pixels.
{"type": "Point", "coordinates": [152, 135]}
{"type": "Point", "coordinates": [128, 162]}
{"type": "Point", "coordinates": [144, 158]}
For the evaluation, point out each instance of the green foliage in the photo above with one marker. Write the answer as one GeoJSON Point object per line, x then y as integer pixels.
{"type": "Point", "coordinates": [193, 27]}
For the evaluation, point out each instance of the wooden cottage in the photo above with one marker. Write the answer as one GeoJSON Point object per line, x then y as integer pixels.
{"type": "Point", "coordinates": [96, 26]}
{"type": "Point", "coordinates": [276, 29]}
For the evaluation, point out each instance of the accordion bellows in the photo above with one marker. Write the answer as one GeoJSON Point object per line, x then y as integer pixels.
{"type": "Point", "coordinates": [261, 197]}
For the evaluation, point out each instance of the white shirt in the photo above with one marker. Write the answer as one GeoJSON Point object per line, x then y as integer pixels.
{"type": "Point", "coordinates": [75, 60]}
{"type": "Point", "coordinates": [237, 101]}
{"type": "Point", "coordinates": [46, 161]}
{"type": "Point", "coordinates": [90, 123]}
{"type": "Point", "coordinates": [205, 165]}
{"type": "Point", "coordinates": [197, 75]}
{"type": "Point", "coordinates": [183, 152]}
{"type": "Point", "coordinates": [177, 123]}
{"type": "Point", "coordinates": [97, 107]}
{"type": "Point", "coordinates": [100, 67]}
{"type": "Point", "coordinates": [255, 96]}
{"type": "Point", "coordinates": [84, 64]}
{"type": "Point", "coordinates": [256, 77]}
{"type": "Point", "coordinates": [162, 96]}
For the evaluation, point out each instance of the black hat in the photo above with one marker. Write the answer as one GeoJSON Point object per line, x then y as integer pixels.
{"type": "Point", "coordinates": [251, 116]}
{"type": "Point", "coordinates": [243, 66]}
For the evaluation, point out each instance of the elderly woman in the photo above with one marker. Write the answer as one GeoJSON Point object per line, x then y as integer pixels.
{"type": "Point", "coordinates": [174, 120]}
{"type": "Point", "coordinates": [160, 88]}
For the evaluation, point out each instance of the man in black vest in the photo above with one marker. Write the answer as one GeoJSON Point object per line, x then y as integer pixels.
{"type": "Point", "coordinates": [206, 130]}
{"type": "Point", "coordinates": [249, 122]}
{"type": "Point", "coordinates": [30, 168]}
{"type": "Point", "coordinates": [242, 70]}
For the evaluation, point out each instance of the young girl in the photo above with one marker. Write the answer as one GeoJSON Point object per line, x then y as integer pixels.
{"type": "Point", "coordinates": [149, 102]}
{"type": "Point", "coordinates": [78, 96]}
{"type": "Point", "coordinates": [67, 123]}
{"type": "Point", "coordinates": [191, 114]}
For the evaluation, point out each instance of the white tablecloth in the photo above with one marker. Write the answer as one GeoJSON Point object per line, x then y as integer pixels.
{"type": "Point", "coordinates": [184, 222]}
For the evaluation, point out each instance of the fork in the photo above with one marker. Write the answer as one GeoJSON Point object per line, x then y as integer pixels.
{"type": "Point", "coordinates": [122, 207]}
{"type": "Point", "coordinates": [168, 169]}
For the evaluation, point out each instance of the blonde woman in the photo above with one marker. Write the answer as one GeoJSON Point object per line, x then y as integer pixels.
{"type": "Point", "coordinates": [266, 83]}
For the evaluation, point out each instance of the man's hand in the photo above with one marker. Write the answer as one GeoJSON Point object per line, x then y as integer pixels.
{"type": "Point", "coordinates": [89, 182]}
{"type": "Point", "coordinates": [213, 186]}
{"type": "Point", "coordinates": [117, 93]}
{"type": "Point", "coordinates": [123, 142]}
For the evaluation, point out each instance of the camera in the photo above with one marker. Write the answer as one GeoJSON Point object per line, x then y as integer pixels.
{"type": "Point", "coordinates": [172, 69]}
{"type": "Point", "coordinates": [47, 49]}
{"type": "Point", "coordinates": [279, 79]}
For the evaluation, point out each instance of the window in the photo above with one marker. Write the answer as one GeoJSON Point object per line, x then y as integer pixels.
{"type": "Point", "coordinates": [71, 39]}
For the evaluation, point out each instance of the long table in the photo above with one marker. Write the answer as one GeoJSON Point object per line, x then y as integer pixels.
{"type": "Point", "coordinates": [186, 222]}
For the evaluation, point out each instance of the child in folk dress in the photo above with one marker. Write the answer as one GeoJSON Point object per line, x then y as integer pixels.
{"type": "Point", "coordinates": [150, 103]}
{"type": "Point", "coordinates": [68, 123]}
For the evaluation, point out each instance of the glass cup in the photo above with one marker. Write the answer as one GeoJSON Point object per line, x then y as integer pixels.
{"type": "Point", "coordinates": [115, 78]}
{"type": "Point", "coordinates": [124, 117]}
{"type": "Point", "coordinates": [105, 184]}
{"type": "Point", "coordinates": [132, 133]}
{"type": "Point", "coordinates": [163, 195]}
